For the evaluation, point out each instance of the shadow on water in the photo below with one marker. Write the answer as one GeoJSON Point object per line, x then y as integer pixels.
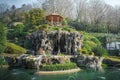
{"type": "Point", "coordinates": [22, 74]}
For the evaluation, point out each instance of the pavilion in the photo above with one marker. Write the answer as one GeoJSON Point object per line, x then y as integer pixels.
{"type": "Point", "coordinates": [54, 19]}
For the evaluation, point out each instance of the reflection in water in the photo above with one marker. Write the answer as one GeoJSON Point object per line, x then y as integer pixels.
{"type": "Point", "coordinates": [113, 74]}
{"type": "Point", "coordinates": [33, 78]}
{"type": "Point", "coordinates": [21, 74]}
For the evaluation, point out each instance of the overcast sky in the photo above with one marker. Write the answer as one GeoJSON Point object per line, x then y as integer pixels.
{"type": "Point", "coordinates": [18, 3]}
{"type": "Point", "coordinates": [113, 2]}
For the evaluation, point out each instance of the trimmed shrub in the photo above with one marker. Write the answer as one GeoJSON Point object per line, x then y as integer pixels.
{"type": "Point", "coordinates": [55, 67]}
{"type": "Point", "coordinates": [2, 38]}
{"type": "Point", "coordinates": [14, 49]}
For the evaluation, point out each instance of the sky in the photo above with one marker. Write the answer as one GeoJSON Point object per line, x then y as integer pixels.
{"type": "Point", "coordinates": [18, 3]}
{"type": "Point", "coordinates": [113, 2]}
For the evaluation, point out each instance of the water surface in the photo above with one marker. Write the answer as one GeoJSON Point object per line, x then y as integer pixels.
{"type": "Point", "coordinates": [23, 74]}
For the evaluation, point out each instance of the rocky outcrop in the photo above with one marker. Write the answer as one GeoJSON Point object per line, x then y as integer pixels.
{"type": "Point", "coordinates": [30, 61]}
{"type": "Point", "coordinates": [55, 42]}
{"type": "Point", "coordinates": [90, 62]}
{"type": "Point", "coordinates": [25, 61]}
{"type": "Point", "coordinates": [34, 61]}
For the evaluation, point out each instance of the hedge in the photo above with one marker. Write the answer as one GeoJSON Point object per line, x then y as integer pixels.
{"type": "Point", "coordinates": [56, 67]}
{"type": "Point", "coordinates": [14, 49]}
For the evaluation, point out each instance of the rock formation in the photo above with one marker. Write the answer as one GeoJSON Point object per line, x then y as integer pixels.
{"type": "Point", "coordinates": [90, 62]}
{"type": "Point", "coordinates": [55, 42]}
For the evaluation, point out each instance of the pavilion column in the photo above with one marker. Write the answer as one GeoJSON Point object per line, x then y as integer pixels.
{"type": "Point", "coordinates": [60, 22]}
{"type": "Point", "coordinates": [52, 20]}
{"type": "Point", "coordinates": [57, 20]}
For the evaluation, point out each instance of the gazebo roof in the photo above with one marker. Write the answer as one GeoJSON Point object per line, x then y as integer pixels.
{"type": "Point", "coordinates": [54, 17]}
{"type": "Point", "coordinates": [54, 14]}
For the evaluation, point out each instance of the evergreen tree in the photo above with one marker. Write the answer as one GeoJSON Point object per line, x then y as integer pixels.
{"type": "Point", "coordinates": [2, 38]}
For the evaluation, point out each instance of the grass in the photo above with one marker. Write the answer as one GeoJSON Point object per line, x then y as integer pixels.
{"type": "Point", "coordinates": [9, 55]}
{"type": "Point", "coordinates": [64, 28]}
{"type": "Point", "coordinates": [14, 49]}
{"type": "Point", "coordinates": [113, 58]}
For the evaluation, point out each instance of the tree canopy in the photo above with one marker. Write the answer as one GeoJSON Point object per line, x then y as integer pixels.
{"type": "Point", "coordinates": [2, 38]}
{"type": "Point", "coordinates": [35, 17]}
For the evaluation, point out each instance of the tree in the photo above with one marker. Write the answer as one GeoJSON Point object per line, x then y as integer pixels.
{"type": "Point", "coordinates": [92, 12]}
{"type": "Point", "coordinates": [18, 31]}
{"type": "Point", "coordinates": [3, 8]}
{"type": "Point", "coordinates": [35, 17]}
{"type": "Point", "coordinates": [81, 10]}
{"type": "Point", "coordinates": [13, 7]}
{"type": "Point", "coordinates": [97, 9]}
{"type": "Point", "coordinates": [2, 38]}
{"type": "Point", "coordinates": [25, 7]}
{"type": "Point", "coordinates": [62, 7]}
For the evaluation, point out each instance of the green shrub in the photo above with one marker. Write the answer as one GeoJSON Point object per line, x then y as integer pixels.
{"type": "Point", "coordinates": [84, 51]}
{"type": "Point", "coordinates": [101, 37]}
{"type": "Point", "coordinates": [2, 38]}
{"type": "Point", "coordinates": [91, 53]}
{"type": "Point", "coordinates": [61, 54]}
{"type": "Point", "coordinates": [2, 61]}
{"type": "Point", "coordinates": [64, 28]}
{"type": "Point", "coordinates": [64, 21]}
{"type": "Point", "coordinates": [89, 37]}
{"type": "Point", "coordinates": [35, 16]}
{"type": "Point", "coordinates": [18, 30]}
{"type": "Point", "coordinates": [88, 45]}
{"type": "Point", "coordinates": [55, 67]}
{"type": "Point", "coordinates": [44, 27]}
{"type": "Point", "coordinates": [27, 44]}
{"type": "Point", "coordinates": [90, 42]}
{"type": "Point", "coordinates": [68, 28]}
{"type": "Point", "coordinates": [14, 49]}
{"type": "Point", "coordinates": [100, 51]}
{"type": "Point", "coordinates": [54, 28]}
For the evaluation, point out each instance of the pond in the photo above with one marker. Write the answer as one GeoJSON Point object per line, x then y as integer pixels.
{"type": "Point", "coordinates": [22, 74]}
